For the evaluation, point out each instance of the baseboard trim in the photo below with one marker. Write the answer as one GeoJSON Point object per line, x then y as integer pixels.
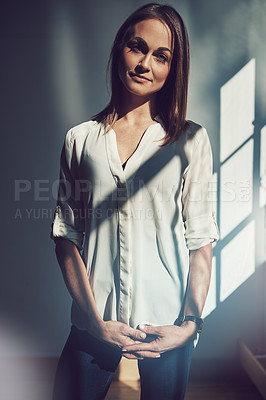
{"type": "Point", "coordinates": [253, 365]}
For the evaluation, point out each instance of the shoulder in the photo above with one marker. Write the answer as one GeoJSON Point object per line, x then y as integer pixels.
{"type": "Point", "coordinates": [193, 140]}
{"type": "Point", "coordinates": [195, 132]}
{"type": "Point", "coordinates": [82, 131]}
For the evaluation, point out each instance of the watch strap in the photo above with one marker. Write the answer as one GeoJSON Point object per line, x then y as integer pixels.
{"type": "Point", "coordinates": [198, 321]}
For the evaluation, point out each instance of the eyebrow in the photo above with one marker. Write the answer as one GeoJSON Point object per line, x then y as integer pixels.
{"type": "Point", "coordinates": [144, 43]}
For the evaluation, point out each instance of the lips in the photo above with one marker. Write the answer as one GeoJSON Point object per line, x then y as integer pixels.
{"type": "Point", "coordinates": [139, 78]}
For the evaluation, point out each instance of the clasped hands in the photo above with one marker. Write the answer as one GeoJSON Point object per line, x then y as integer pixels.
{"type": "Point", "coordinates": [164, 338]}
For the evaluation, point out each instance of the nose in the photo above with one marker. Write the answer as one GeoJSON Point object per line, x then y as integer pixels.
{"type": "Point", "coordinates": [144, 63]}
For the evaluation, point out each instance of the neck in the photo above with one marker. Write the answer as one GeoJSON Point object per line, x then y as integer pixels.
{"type": "Point", "coordinates": [136, 109]}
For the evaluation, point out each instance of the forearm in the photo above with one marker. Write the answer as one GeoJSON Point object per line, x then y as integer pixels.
{"type": "Point", "coordinates": [200, 262]}
{"type": "Point", "coordinates": [76, 280]}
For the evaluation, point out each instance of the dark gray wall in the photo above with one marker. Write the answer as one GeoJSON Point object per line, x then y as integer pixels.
{"type": "Point", "coordinates": [53, 77]}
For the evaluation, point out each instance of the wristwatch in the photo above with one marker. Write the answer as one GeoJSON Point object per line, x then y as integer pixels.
{"type": "Point", "coordinates": [198, 321]}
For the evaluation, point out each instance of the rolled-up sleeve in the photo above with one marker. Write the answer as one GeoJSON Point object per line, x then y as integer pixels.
{"type": "Point", "coordinates": [198, 213]}
{"type": "Point", "coordinates": [68, 219]}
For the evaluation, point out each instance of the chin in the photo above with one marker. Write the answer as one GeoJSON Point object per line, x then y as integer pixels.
{"type": "Point", "coordinates": [139, 91]}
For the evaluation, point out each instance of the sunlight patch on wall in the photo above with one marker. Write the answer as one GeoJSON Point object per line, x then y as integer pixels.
{"type": "Point", "coordinates": [66, 74]}
{"type": "Point", "coordinates": [236, 179]}
{"type": "Point", "coordinates": [15, 341]}
{"type": "Point", "coordinates": [21, 377]}
{"type": "Point", "coordinates": [238, 260]}
{"type": "Point", "coordinates": [237, 110]}
{"type": "Point", "coordinates": [236, 189]}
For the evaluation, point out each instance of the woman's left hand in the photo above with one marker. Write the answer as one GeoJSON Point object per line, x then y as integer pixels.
{"type": "Point", "coordinates": [168, 337]}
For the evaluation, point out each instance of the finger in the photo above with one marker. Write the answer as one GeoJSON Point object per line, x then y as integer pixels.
{"type": "Point", "coordinates": [142, 355]}
{"type": "Point", "coordinates": [134, 341]}
{"type": "Point", "coordinates": [150, 354]}
{"type": "Point", "coordinates": [136, 334]}
{"type": "Point", "coordinates": [129, 342]}
{"type": "Point", "coordinates": [132, 356]}
{"type": "Point", "coordinates": [150, 346]}
{"type": "Point", "coordinates": [153, 330]}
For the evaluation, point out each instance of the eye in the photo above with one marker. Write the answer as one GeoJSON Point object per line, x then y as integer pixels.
{"type": "Point", "coordinates": [162, 58]}
{"type": "Point", "coordinates": [134, 47]}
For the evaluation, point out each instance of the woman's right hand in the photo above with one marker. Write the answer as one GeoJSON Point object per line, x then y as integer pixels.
{"type": "Point", "coordinates": [119, 334]}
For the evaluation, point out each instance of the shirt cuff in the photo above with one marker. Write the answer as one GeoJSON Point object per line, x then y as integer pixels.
{"type": "Point", "coordinates": [196, 340]}
{"type": "Point", "coordinates": [60, 229]}
{"type": "Point", "coordinates": [200, 231]}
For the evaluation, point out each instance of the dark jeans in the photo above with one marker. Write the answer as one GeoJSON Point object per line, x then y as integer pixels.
{"type": "Point", "coordinates": [87, 365]}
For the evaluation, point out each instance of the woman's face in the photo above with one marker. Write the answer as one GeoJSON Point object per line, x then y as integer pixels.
{"type": "Point", "coordinates": [146, 58]}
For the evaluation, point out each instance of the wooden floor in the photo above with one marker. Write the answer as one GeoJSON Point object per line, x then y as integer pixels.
{"type": "Point", "coordinates": [27, 380]}
{"type": "Point", "coordinates": [196, 391]}
{"type": "Point", "coordinates": [130, 391]}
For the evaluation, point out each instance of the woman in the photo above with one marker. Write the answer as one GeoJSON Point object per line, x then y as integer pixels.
{"type": "Point", "coordinates": [132, 199]}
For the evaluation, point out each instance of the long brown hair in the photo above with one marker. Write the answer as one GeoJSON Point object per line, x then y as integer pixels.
{"type": "Point", "coordinates": [171, 100]}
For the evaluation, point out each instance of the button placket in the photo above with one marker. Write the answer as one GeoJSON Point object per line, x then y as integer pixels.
{"type": "Point", "coordinates": [123, 211]}
{"type": "Point", "coordinates": [122, 180]}
{"type": "Point", "coordinates": [123, 208]}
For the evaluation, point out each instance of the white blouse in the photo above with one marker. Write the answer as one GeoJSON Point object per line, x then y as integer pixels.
{"type": "Point", "coordinates": [134, 226]}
